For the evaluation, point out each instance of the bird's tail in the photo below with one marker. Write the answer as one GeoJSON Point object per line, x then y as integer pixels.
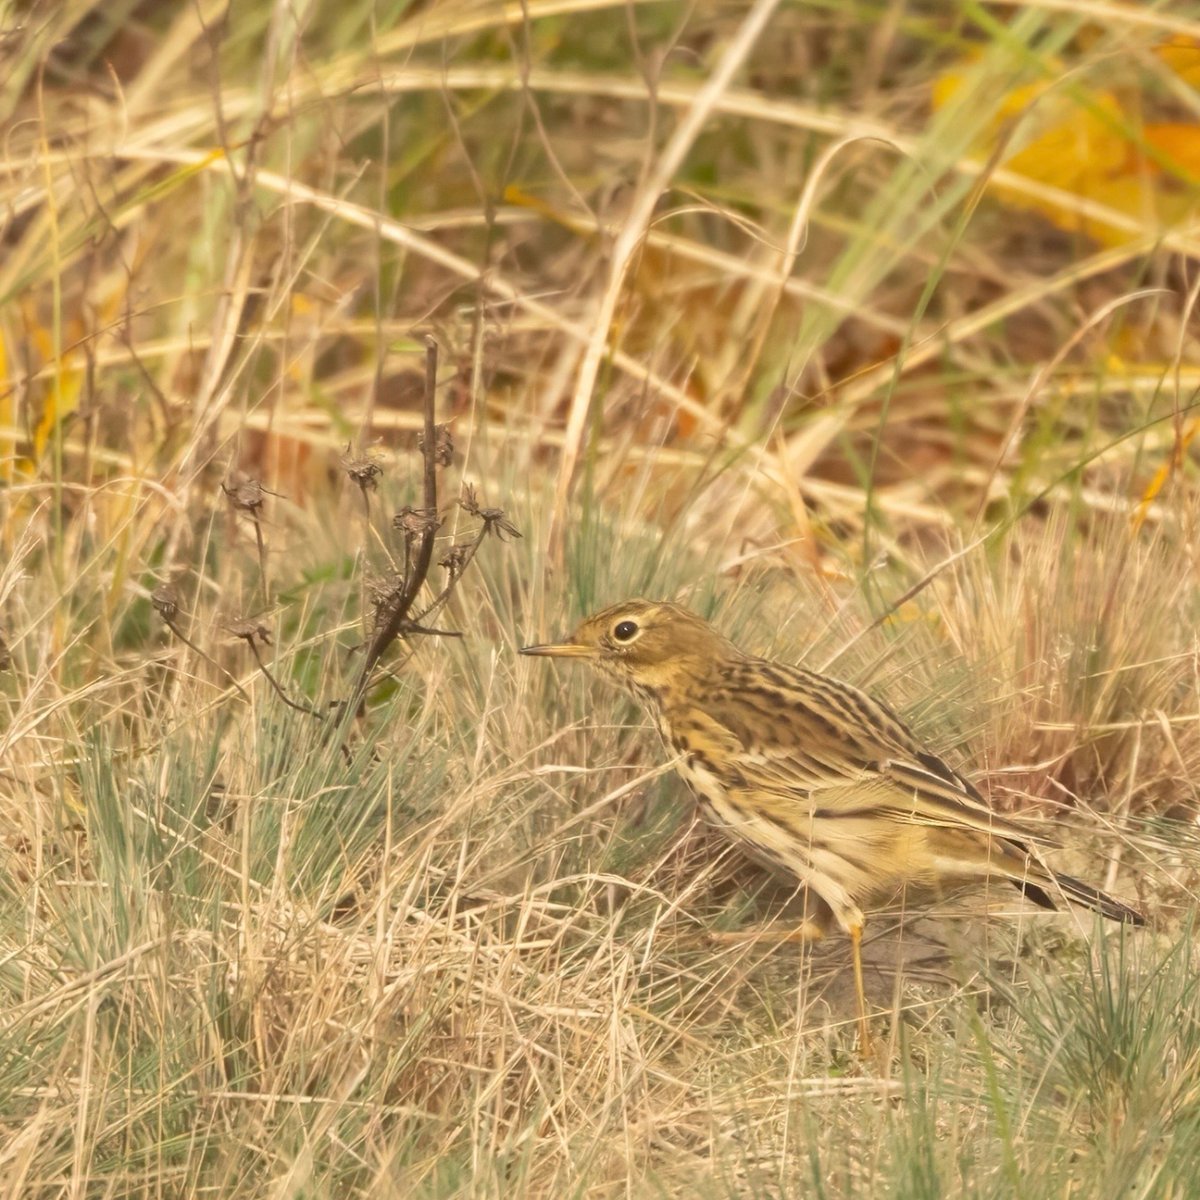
{"type": "Point", "coordinates": [1081, 893]}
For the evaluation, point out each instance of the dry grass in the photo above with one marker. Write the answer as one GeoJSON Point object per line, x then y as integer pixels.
{"type": "Point", "coordinates": [739, 304]}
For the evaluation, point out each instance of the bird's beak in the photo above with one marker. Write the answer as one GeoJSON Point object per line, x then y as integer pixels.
{"type": "Point", "coordinates": [559, 650]}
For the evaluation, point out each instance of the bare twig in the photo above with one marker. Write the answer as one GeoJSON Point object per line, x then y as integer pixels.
{"type": "Point", "coordinates": [166, 603]}
{"type": "Point", "coordinates": [364, 471]}
{"type": "Point", "coordinates": [420, 526]}
{"type": "Point", "coordinates": [493, 521]}
{"type": "Point", "coordinates": [246, 495]}
{"type": "Point", "coordinates": [455, 561]}
{"type": "Point", "coordinates": [252, 632]}
{"type": "Point", "coordinates": [395, 598]}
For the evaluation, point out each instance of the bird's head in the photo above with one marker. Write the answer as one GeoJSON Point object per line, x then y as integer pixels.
{"type": "Point", "coordinates": [643, 644]}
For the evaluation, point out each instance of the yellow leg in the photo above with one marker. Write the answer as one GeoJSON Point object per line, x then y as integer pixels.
{"type": "Point", "coordinates": [864, 1029]}
{"type": "Point", "coordinates": [805, 931]}
{"type": "Point", "coordinates": [811, 931]}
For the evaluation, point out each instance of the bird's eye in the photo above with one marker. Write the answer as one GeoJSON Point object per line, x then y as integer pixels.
{"type": "Point", "coordinates": [625, 631]}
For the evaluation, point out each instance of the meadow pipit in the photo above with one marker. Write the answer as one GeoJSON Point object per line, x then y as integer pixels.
{"type": "Point", "coordinates": [813, 777]}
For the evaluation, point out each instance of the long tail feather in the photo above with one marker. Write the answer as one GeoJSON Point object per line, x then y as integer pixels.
{"type": "Point", "coordinates": [1081, 893]}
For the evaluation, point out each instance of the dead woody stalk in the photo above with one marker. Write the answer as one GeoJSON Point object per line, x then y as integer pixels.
{"type": "Point", "coordinates": [394, 602]}
{"type": "Point", "coordinates": [396, 615]}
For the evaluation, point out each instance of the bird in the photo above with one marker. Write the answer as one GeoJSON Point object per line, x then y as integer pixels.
{"type": "Point", "coordinates": [813, 777]}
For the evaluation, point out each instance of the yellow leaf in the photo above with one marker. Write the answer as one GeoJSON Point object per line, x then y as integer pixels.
{"type": "Point", "coordinates": [1179, 142]}
{"type": "Point", "coordinates": [1182, 441]}
{"type": "Point", "coordinates": [1097, 150]}
{"type": "Point", "coordinates": [1182, 55]}
{"type": "Point", "coordinates": [62, 399]}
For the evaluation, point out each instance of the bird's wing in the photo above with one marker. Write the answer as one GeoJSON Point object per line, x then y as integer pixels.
{"type": "Point", "coordinates": [844, 752]}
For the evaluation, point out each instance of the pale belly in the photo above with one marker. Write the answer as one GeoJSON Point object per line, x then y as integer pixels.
{"type": "Point", "coordinates": [762, 839]}
{"type": "Point", "coordinates": [846, 859]}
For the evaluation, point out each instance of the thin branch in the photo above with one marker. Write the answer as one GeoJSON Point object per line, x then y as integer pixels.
{"type": "Point", "coordinates": [246, 495]}
{"type": "Point", "coordinates": [457, 559]}
{"type": "Point", "coordinates": [250, 636]}
{"type": "Point", "coordinates": [393, 616]}
{"type": "Point", "coordinates": [166, 604]}
{"type": "Point", "coordinates": [429, 452]}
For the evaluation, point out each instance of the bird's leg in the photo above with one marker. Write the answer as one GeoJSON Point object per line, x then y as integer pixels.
{"type": "Point", "coordinates": [806, 931]}
{"type": "Point", "coordinates": [855, 931]}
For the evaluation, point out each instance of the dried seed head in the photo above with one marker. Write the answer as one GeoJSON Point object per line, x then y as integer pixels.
{"type": "Point", "coordinates": [166, 601]}
{"type": "Point", "coordinates": [382, 588]}
{"type": "Point", "coordinates": [250, 631]}
{"type": "Point", "coordinates": [385, 594]}
{"type": "Point", "coordinates": [364, 469]}
{"type": "Point", "coordinates": [416, 522]}
{"type": "Point", "coordinates": [496, 523]}
{"type": "Point", "coordinates": [443, 451]}
{"type": "Point", "coordinates": [494, 520]}
{"type": "Point", "coordinates": [245, 494]}
{"type": "Point", "coordinates": [456, 557]}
